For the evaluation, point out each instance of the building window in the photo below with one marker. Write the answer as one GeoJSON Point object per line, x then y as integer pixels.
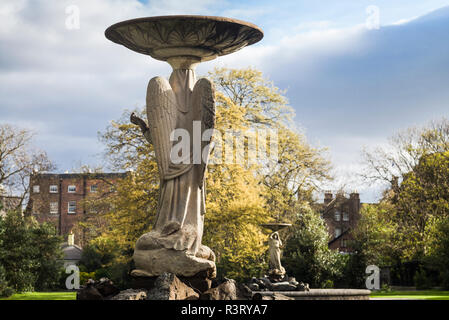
{"type": "Point", "coordinates": [36, 189]}
{"type": "Point", "coordinates": [337, 215]}
{"type": "Point", "coordinates": [337, 232]}
{"type": "Point", "coordinates": [72, 207]}
{"type": "Point", "coordinates": [53, 208]}
{"type": "Point", "coordinates": [93, 188]}
{"type": "Point", "coordinates": [344, 243]}
{"type": "Point", "coordinates": [345, 216]}
{"type": "Point", "coordinates": [71, 189]}
{"type": "Point", "coordinates": [53, 188]}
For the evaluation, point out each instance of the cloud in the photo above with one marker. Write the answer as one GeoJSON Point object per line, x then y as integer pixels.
{"type": "Point", "coordinates": [355, 87]}
{"type": "Point", "coordinates": [349, 86]}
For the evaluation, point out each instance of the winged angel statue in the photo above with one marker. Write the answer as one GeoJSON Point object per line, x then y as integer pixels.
{"type": "Point", "coordinates": [174, 243]}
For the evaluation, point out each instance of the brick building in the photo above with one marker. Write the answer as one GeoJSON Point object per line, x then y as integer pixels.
{"type": "Point", "coordinates": [341, 215]}
{"type": "Point", "coordinates": [59, 198]}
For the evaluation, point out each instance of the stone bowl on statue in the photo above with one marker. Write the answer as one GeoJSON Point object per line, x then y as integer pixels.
{"type": "Point", "coordinates": [201, 37]}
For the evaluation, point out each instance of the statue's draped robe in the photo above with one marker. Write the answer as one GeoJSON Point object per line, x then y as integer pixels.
{"type": "Point", "coordinates": [181, 207]}
{"type": "Point", "coordinates": [275, 253]}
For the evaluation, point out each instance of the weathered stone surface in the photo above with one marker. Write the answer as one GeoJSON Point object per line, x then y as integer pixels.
{"type": "Point", "coordinates": [89, 292]}
{"type": "Point", "coordinates": [266, 283]}
{"type": "Point", "coordinates": [283, 286]}
{"type": "Point", "coordinates": [169, 287]}
{"type": "Point", "coordinates": [106, 287]}
{"type": "Point", "coordinates": [97, 290]}
{"type": "Point", "coordinates": [274, 296]}
{"type": "Point", "coordinates": [143, 282]}
{"type": "Point", "coordinates": [274, 251]}
{"type": "Point", "coordinates": [199, 282]}
{"type": "Point", "coordinates": [303, 287]}
{"type": "Point", "coordinates": [292, 280]}
{"type": "Point", "coordinates": [156, 262]}
{"type": "Point", "coordinates": [227, 290]}
{"type": "Point", "coordinates": [195, 36]}
{"type": "Point", "coordinates": [318, 294]}
{"type": "Point", "coordinates": [131, 294]}
{"type": "Point", "coordinates": [174, 243]}
{"type": "Point", "coordinates": [254, 287]}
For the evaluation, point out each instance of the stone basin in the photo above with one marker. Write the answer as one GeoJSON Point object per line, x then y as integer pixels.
{"type": "Point", "coordinates": [202, 38]}
{"type": "Point", "coordinates": [322, 294]}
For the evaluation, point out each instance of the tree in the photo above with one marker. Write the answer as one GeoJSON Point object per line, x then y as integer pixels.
{"type": "Point", "coordinates": [417, 169]}
{"type": "Point", "coordinates": [306, 254]}
{"type": "Point", "coordinates": [5, 289]}
{"type": "Point", "coordinates": [19, 160]}
{"type": "Point", "coordinates": [129, 209]}
{"type": "Point", "coordinates": [29, 253]}
{"type": "Point", "coordinates": [374, 243]}
{"type": "Point", "coordinates": [235, 210]}
{"type": "Point", "coordinates": [422, 197]}
{"type": "Point", "coordinates": [47, 255]}
{"type": "Point", "coordinates": [406, 148]}
{"type": "Point", "coordinates": [17, 253]}
{"type": "Point", "coordinates": [439, 254]}
{"type": "Point", "coordinates": [246, 100]}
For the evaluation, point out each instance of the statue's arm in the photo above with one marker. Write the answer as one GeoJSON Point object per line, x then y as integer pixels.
{"type": "Point", "coordinates": [143, 126]}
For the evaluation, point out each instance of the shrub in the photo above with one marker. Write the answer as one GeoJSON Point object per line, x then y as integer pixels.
{"type": "Point", "coordinates": [307, 256]}
{"type": "Point", "coordinates": [17, 253]}
{"type": "Point", "coordinates": [421, 280]}
{"type": "Point", "coordinates": [29, 253]}
{"type": "Point", "coordinates": [5, 289]}
{"type": "Point", "coordinates": [48, 256]}
{"type": "Point", "coordinates": [104, 258]}
{"type": "Point", "coordinates": [85, 276]}
{"type": "Point", "coordinates": [327, 284]}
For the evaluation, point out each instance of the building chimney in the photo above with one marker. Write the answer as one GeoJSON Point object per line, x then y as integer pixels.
{"type": "Point", "coordinates": [355, 199]}
{"type": "Point", "coordinates": [354, 195]}
{"type": "Point", "coordinates": [328, 197]}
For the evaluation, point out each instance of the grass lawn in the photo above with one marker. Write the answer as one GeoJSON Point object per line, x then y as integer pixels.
{"type": "Point", "coordinates": [420, 295]}
{"type": "Point", "coordinates": [42, 296]}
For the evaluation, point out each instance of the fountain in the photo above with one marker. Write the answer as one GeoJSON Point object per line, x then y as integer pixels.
{"type": "Point", "coordinates": [174, 245]}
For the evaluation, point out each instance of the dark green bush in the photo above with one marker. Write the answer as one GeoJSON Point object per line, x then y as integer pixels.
{"type": "Point", "coordinates": [5, 289]}
{"type": "Point", "coordinates": [29, 253]}
{"type": "Point", "coordinates": [421, 280]}
{"type": "Point", "coordinates": [306, 254]}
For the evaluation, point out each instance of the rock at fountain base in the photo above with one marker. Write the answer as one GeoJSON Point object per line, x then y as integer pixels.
{"type": "Point", "coordinates": [199, 282]}
{"type": "Point", "coordinates": [227, 290]}
{"type": "Point", "coordinates": [131, 294]}
{"type": "Point", "coordinates": [155, 262]}
{"type": "Point", "coordinates": [102, 289]}
{"type": "Point", "coordinates": [169, 287]}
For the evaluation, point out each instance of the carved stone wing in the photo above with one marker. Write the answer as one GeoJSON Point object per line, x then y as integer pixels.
{"type": "Point", "coordinates": [203, 103]}
{"type": "Point", "coordinates": [161, 113]}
